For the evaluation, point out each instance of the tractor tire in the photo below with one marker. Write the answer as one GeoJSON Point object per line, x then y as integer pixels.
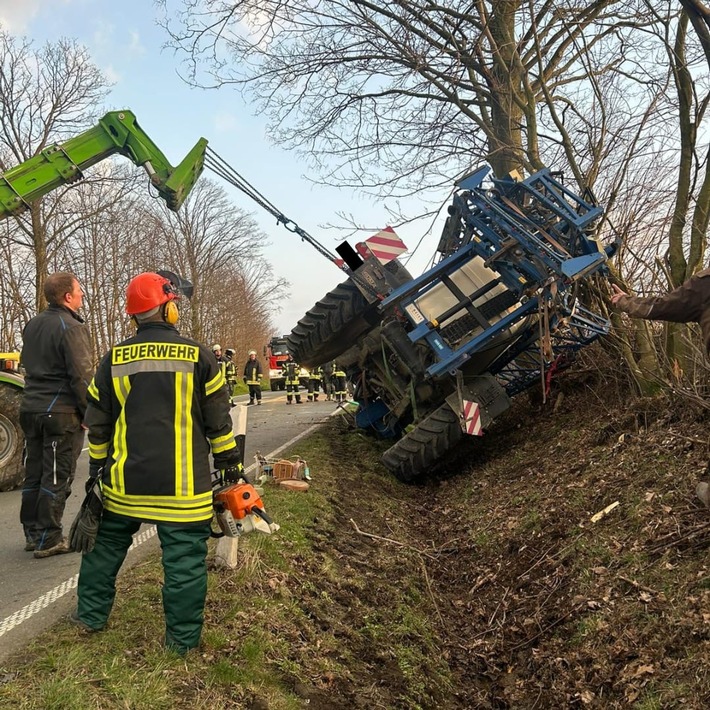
{"type": "Point", "coordinates": [12, 439]}
{"type": "Point", "coordinates": [415, 454]}
{"type": "Point", "coordinates": [331, 326]}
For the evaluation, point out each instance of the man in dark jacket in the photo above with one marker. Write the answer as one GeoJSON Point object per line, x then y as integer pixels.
{"type": "Point", "coordinates": [58, 362]}
{"type": "Point", "coordinates": [689, 303]}
{"type": "Point", "coordinates": [158, 406]}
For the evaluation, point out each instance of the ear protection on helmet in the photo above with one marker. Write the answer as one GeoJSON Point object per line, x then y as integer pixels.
{"type": "Point", "coordinates": [171, 314]}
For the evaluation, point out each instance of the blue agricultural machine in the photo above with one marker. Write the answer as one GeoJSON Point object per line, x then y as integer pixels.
{"type": "Point", "coordinates": [435, 357]}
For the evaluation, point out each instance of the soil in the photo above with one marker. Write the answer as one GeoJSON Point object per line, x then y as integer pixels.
{"type": "Point", "coordinates": [530, 604]}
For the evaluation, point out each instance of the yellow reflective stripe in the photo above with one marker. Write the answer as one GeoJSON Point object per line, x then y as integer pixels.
{"type": "Point", "coordinates": [173, 502]}
{"type": "Point", "coordinates": [184, 387]}
{"type": "Point", "coordinates": [215, 383]}
{"type": "Point", "coordinates": [93, 390]}
{"type": "Point", "coordinates": [187, 433]}
{"type": "Point", "coordinates": [221, 439]}
{"type": "Point", "coordinates": [98, 451]}
{"type": "Point", "coordinates": [227, 446]}
{"type": "Point", "coordinates": [179, 415]}
{"type": "Point", "coordinates": [121, 388]}
{"type": "Point", "coordinates": [162, 508]}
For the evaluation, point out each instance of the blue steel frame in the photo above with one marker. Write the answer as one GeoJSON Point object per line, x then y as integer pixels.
{"type": "Point", "coordinates": [533, 233]}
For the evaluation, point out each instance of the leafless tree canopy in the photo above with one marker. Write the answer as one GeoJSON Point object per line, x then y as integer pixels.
{"type": "Point", "coordinates": [399, 98]}
{"type": "Point", "coordinates": [106, 229]}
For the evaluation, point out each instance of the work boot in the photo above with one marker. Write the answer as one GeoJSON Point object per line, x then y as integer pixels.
{"type": "Point", "coordinates": [30, 546]}
{"type": "Point", "coordinates": [258, 401]}
{"type": "Point", "coordinates": [288, 401]}
{"type": "Point", "coordinates": [251, 401]}
{"type": "Point", "coordinates": [702, 491]}
{"type": "Point", "coordinates": [60, 548]}
{"type": "Point", "coordinates": [76, 621]}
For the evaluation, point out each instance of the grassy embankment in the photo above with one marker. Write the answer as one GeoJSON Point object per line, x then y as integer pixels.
{"type": "Point", "coordinates": [489, 586]}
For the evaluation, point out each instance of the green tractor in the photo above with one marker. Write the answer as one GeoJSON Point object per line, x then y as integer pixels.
{"type": "Point", "coordinates": [11, 437]}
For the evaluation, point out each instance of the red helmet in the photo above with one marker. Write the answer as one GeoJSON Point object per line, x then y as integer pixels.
{"type": "Point", "coordinates": [147, 291]}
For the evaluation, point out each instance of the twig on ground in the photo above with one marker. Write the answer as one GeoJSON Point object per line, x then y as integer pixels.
{"type": "Point", "coordinates": [687, 536]}
{"type": "Point", "coordinates": [546, 629]}
{"type": "Point", "coordinates": [637, 585]}
{"type": "Point", "coordinates": [431, 595]}
{"type": "Point", "coordinates": [389, 539]}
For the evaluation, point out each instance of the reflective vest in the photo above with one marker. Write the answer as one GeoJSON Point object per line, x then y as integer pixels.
{"type": "Point", "coordinates": [157, 407]}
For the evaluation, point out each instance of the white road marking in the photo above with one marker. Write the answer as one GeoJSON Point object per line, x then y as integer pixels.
{"type": "Point", "coordinates": [34, 607]}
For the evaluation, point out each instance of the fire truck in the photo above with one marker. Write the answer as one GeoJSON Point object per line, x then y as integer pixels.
{"type": "Point", "coordinates": [276, 352]}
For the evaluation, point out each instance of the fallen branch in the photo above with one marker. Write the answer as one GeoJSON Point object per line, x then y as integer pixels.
{"type": "Point", "coordinates": [546, 629]}
{"type": "Point", "coordinates": [687, 536]}
{"type": "Point", "coordinates": [636, 585]}
{"type": "Point", "coordinates": [389, 539]}
{"type": "Point", "coordinates": [431, 596]}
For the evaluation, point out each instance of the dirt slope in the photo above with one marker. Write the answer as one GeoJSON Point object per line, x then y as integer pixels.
{"type": "Point", "coordinates": [529, 603]}
{"type": "Point", "coordinates": [486, 586]}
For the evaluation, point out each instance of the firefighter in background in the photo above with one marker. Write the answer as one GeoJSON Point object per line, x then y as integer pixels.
{"type": "Point", "coordinates": [340, 383]}
{"type": "Point", "coordinates": [290, 371]}
{"type": "Point", "coordinates": [313, 384]}
{"type": "Point", "coordinates": [157, 408]}
{"type": "Point", "coordinates": [230, 370]}
{"type": "Point", "coordinates": [252, 377]}
{"type": "Point", "coordinates": [327, 380]}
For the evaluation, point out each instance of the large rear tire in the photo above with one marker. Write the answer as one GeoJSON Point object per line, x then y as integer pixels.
{"type": "Point", "coordinates": [415, 454]}
{"type": "Point", "coordinates": [331, 326]}
{"type": "Point", "coordinates": [12, 439]}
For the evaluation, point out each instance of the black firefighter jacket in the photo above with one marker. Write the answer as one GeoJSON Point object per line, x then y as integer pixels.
{"type": "Point", "coordinates": [58, 362]}
{"type": "Point", "coordinates": [252, 372]}
{"type": "Point", "coordinates": [689, 303]}
{"type": "Point", "coordinates": [157, 406]}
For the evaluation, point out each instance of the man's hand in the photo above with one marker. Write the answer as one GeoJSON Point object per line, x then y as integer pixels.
{"type": "Point", "coordinates": [617, 294]}
{"type": "Point", "coordinates": [95, 471]}
{"type": "Point", "coordinates": [232, 474]}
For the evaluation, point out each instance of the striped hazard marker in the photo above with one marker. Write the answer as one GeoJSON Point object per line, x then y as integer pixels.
{"type": "Point", "coordinates": [472, 418]}
{"type": "Point", "coordinates": [385, 245]}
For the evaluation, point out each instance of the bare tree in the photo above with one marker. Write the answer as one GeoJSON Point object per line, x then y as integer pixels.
{"type": "Point", "coordinates": [46, 95]}
{"type": "Point", "coordinates": [220, 250]}
{"type": "Point", "coordinates": [398, 97]}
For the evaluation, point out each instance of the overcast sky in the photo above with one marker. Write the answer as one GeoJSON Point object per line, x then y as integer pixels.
{"type": "Point", "coordinates": [126, 44]}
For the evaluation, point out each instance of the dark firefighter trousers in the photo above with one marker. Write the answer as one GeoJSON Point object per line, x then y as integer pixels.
{"type": "Point", "coordinates": [53, 444]}
{"type": "Point", "coordinates": [184, 569]}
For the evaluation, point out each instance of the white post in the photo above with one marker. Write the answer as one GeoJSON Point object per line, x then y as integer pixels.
{"type": "Point", "coordinates": [227, 547]}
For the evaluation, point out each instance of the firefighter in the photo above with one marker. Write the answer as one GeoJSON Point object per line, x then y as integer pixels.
{"type": "Point", "coordinates": [157, 407]}
{"type": "Point", "coordinates": [313, 384]}
{"type": "Point", "coordinates": [290, 370]}
{"type": "Point", "coordinates": [327, 380]}
{"type": "Point", "coordinates": [230, 370]}
{"type": "Point", "coordinates": [340, 383]}
{"type": "Point", "coordinates": [252, 377]}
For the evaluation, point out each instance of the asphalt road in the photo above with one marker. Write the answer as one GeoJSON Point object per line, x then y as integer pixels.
{"type": "Point", "coordinates": [36, 593]}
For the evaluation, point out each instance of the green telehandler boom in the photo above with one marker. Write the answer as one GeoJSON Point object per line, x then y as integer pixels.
{"type": "Point", "coordinates": [117, 132]}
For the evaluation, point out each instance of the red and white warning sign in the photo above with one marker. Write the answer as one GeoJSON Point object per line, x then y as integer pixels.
{"type": "Point", "coordinates": [385, 245]}
{"type": "Point", "coordinates": [472, 418]}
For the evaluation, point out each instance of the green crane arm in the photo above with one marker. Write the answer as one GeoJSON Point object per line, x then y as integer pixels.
{"type": "Point", "coordinates": [116, 132]}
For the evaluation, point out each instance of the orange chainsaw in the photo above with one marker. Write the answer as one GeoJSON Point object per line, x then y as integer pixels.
{"type": "Point", "coordinates": [239, 509]}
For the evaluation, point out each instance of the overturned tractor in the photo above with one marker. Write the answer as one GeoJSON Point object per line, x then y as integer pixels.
{"type": "Point", "coordinates": [433, 358]}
